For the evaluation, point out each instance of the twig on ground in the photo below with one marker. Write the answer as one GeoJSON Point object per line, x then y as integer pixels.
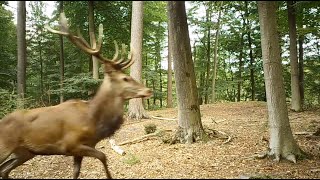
{"type": "Point", "coordinates": [116, 148]}
{"type": "Point", "coordinates": [143, 138]}
{"type": "Point", "coordinates": [170, 119]}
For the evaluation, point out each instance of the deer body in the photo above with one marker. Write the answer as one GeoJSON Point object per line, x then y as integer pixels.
{"type": "Point", "coordinates": [74, 127]}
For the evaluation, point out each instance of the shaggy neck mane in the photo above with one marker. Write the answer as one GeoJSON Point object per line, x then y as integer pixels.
{"type": "Point", "coordinates": [106, 110]}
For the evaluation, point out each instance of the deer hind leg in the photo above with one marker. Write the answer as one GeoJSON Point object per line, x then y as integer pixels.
{"type": "Point", "coordinates": [83, 150]}
{"type": "Point", "coordinates": [20, 157]}
{"type": "Point", "coordinates": [76, 166]}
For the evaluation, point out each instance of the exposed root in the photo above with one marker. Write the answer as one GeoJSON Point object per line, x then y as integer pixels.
{"type": "Point", "coordinates": [189, 137]}
{"type": "Point", "coordinates": [261, 155]}
{"type": "Point", "coordinates": [291, 157]}
{"type": "Point", "coordinates": [277, 157]}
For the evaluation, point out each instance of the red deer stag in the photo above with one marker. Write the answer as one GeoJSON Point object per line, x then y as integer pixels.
{"type": "Point", "coordinates": [72, 128]}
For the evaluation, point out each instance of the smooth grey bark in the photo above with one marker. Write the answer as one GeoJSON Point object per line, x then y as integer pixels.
{"type": "Point", "coordinates": [189, 120]}
{"type": "Point", "coordinates": [215, 57]}
{"type": "Point", "coordinates": [282, 143]}
{"type": "Point", "coordinates": [295, 91]}
{"type": "Point", "coordinates": [169, 83]}
{"type": "Point", "coordinates": [95, 61]}
{"type": "Point", "coordinates": [136, 109]}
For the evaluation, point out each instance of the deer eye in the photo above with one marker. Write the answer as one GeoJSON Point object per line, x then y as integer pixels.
{"type": "Point", "coordinates": [126, 79]}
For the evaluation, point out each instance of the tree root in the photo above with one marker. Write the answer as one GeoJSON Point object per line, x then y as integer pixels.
{"type": "Point", "coordinates": [205, 136]}
{"type": "Point", "coordinates": [290, 157]}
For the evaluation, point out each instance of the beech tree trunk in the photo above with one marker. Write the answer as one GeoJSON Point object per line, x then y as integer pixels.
{"type": "Point", "coordinates": [169, 83]}
{"type": "Point", "coordinates": [282, 143]}
{"type": "Point", "coordinates": [208, 20]}
{"type": "Point", "coordinates": [189, 120]}
{"type": "Point", "coordinates": [136, 109]}
{"type": "Point", "coordinates": [295, 92]}
{"type": "Point", "coordinates": [215, 58]}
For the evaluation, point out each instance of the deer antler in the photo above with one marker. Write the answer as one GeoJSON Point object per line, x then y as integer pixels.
{"type": "Point", "coordinates": [95, 50]}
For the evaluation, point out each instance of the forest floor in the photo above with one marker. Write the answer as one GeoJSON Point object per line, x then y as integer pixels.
{"type": "Point", "coordinates": [246, 122]}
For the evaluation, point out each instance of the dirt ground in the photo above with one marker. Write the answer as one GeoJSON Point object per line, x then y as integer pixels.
{"type": "Point", "coordinates": [246, 122]}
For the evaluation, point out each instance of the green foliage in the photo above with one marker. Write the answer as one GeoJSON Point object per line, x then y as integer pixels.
{"type": "Point", "coordinates": [78, 86]}
{"type": "Point", "coordinates": [131, 159]}
{"type": "Point", "coordinates": [8, 51]}
{"type": "Point", "coordinates": [150, 128]}
{"type": "Point", "coordinates": [238, 18]}
{"type": "Point", "coordinates": [7, 102]}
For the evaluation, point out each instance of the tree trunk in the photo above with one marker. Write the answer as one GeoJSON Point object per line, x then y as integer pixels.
{"type": "Point", "coordinates": [158, 62]}
{"type": "Point", "coordinates": [61, 59]}
{"type": "Point", "coordinates": [169, 83]}
{"type": "Point", "coordinates": [301, 66]}
{"type": "Point", "coordinates": [295, 93]}
{"type": "Point", "coordinates": [252, 81]}
{"type": "Point", "coordinates": [95, 61]}
{"type": "Point", "coordinates": [240, 68]}
{"type": "Point", "coordinates": [148, 100]}
{"type": "Point", "coordinates": [208, 21]}
{"type": "Point", "coordinates": [215, 60]}
{"type": "Point", "coordinates": [22, 55]}
{"type": "Point", "coordinates": [301, 73]}
{"type": "Point", "coordinates": [282, 143]}
{"type": "Point", "coordinates": [136, 110]}
{"type": "Point", "coordinates": [189, 119]}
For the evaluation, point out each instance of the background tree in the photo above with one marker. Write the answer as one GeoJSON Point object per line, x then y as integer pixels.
{"type": "Point", "coordinates": [169, 81]}
{"type": "Point", "coordinates": [295, 91]}
{"type": "Point", "coordinates": [189, 120]}
{"type": "Point", "coordinates": [215, 56]}
{"type": "Point", "coordinates": [95, 62]}
{"type": "Point", "coordinates": [282, 143]}
{"type": "Point", "coordinates": [22, 56]}
{"type": "Point", "coordinates": [61, 58]}
{"type": "Point", "coordinates": [136, 109]}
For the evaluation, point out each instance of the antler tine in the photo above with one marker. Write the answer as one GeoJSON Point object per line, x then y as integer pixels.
{"type": "Point", "coordinates": [120, 61]}
{"type": "Point", "coordinates": [130, 62]}
{"type": "Point", "coordinates": [82, 39]}
{"type": "Point", "coordinates": [117, 50]}
{"type": "Point", "coordinates": [78, 41]}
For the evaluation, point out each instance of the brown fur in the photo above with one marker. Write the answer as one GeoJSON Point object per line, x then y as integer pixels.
{"type": "Point", "coordinates": [72, 128]}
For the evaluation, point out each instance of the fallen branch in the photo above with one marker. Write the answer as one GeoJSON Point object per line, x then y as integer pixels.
{"type": "Point", "coordinates": [220, 134]}
{"type": "Point", "coordinates": [228, 140]}
{"type": "Point", "coordinates": [116, 148]}
{"type": "Point", "coordinates": [304, 133]}
{"type": "Point", "coordinates": [170, 119]}
{"type": "Point", "coordinates": [144, 137]}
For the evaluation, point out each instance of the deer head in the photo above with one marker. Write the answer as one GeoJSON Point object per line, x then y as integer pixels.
{"type": "Point", "coordinates": [115, 79]}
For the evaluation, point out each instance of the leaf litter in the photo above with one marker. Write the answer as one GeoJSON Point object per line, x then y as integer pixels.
{"type": "Point", "coordinates": [246, 122]}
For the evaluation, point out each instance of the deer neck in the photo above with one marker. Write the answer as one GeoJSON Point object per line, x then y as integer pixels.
{"type": "Point", "coordinates": [106, 110]}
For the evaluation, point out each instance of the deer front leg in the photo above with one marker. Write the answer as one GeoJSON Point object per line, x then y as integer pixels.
{"type": "Point", "coordinates": [83, 150]}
